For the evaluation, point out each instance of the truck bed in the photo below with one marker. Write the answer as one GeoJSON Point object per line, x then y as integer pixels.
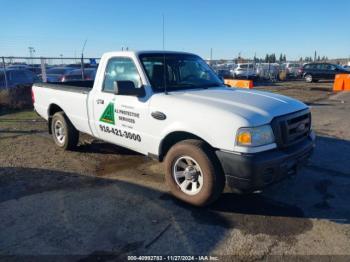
{"type": "Point", "coordinates": [72, 86]}
{"type": "Point", "coordinates": [71, 97]}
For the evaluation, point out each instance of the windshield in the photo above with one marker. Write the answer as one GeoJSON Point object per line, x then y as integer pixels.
{"type": "Point", "coordinates": [183, 71]}
{"type": "Point", "coordinates": [78, 71]}
{"type": "Point", "coordinates": [340, 67]}
{"type": "Point", "coordinates": [246, 66]}
{"type": "Point", "coordinates": [294, 65]}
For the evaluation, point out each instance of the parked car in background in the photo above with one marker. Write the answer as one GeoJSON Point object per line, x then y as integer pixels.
{"type": "Point", "coordinates": [86, 65]}
{"type": "Point", "coordinates": [267, 70]}
{"type": "Point", "coordinates": [245, 70]}
{"type": "Point", "coordinates": [17, 66]}
{"type": "Point", "coordinates": [292, 69]}
{"type": "Point", "coordinates": [76, 75]}
{"type": "Point", "coordinates": [224, 73]}
{"type": "Point", "coordinates": [36, 69]}
{"type": "Point", "coordinates": [347, 67]}
{"type": "Point", "coordinates": [56, 74]}
{"type": "Point", "coordinates": [322, 71]}
{"type": "Point", "coordinates": [15, 77]}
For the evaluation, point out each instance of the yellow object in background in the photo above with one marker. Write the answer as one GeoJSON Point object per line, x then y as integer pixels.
{"type": "Point", "coordinates": [239, 83]}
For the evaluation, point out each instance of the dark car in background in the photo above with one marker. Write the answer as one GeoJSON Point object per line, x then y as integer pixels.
{"type": "Point", "coordinates": [36, 69]}
{"type": "Point", "coordinates": [224, 73]}
{"type": "Point", "coordinates": [86, 65]}
{"type": "Point", "coordinates": [322, 71]}
{"type": "Point", "coordinates": [55, 74]}
{"type": "Point", "coordinates": [15, 77]}
{"type": "Point", "coordinates": [76, 75]}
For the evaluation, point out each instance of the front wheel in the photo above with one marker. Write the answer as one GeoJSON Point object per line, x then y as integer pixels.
{"type": "Point", "coordinates": [193, 173]}
{"type": "Point", "coordinates": [308, 78]}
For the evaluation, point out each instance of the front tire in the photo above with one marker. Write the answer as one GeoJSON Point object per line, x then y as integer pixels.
{"type": "Point", "coordinates": [193, 173]}
{"type": "Point", "coordinates": [64, 133]}
{"type": "Point", "coordinates": [308, 78]}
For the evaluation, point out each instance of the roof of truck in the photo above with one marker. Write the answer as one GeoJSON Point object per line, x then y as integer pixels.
{"type": "Point", "coordinates": [146, 52]}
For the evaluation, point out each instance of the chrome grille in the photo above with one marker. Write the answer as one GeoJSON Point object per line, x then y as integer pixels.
{"type": "Point", "coordinates": [292, 128]}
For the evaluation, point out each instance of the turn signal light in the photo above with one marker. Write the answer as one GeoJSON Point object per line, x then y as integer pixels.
{"type": "Point", "coordinates": [245, 138]}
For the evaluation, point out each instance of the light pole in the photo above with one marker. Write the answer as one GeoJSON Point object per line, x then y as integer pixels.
{"type": "Point", "coordinates": [31, 53]}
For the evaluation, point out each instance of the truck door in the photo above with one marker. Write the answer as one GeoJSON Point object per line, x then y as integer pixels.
{"type": "Point", "coordinates": [119, 118]}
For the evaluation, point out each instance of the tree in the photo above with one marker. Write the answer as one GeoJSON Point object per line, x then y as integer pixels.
{"type": "Point", "coordinates": [273, 58]}
{"type": "Point", "coordinates": [267, 58]}
{"type": "Point", "coordinates": [318, 58]}
{"type": "Point", "coordinates": [308, 59]}
{"type": "Point", "coordinates": [284, 58]}
{"type": "Point", "coordinates": [281, 58]}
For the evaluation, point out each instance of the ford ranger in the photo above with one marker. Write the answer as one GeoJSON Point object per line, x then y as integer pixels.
{"type": "Point", "coordinates": [173, 107]}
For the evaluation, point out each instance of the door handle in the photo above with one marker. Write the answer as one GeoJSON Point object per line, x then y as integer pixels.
{"type": "Point", "coordinates": [100, 101]}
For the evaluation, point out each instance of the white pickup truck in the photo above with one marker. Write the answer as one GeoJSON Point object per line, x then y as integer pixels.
{"type": "Point", "coordinates": [172, 106]}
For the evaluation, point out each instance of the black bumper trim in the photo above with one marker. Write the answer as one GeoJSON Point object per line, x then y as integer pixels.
{"type": "Point", "coordinates": [250, 172]}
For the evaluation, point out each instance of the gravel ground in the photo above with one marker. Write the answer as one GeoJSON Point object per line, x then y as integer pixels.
{"type": "Point", "coordinates": [107, 202]}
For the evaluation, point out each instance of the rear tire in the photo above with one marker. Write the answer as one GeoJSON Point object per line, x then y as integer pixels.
{"type": "Point", "coordinates": [64, 133]}
{"type": "Point", "coordinates": [193, 173]}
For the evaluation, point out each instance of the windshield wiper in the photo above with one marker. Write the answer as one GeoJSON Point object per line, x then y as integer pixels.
{"type": "Point", "coordinates": [211, 85]}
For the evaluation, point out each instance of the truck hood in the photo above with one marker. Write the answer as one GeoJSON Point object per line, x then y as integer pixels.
{"type": "Point", "coordinates": [256, 107]}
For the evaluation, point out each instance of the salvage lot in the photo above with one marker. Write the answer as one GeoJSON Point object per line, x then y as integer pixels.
{"type": "Point", "coordinates": [102, 199]}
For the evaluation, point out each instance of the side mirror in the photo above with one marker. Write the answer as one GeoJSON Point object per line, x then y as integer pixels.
{"type": "Point", "coordinates": [127, 88]}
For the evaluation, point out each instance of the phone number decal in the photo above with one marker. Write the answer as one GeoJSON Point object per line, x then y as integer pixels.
{"type": "Point", "coordinates": [121, 133]}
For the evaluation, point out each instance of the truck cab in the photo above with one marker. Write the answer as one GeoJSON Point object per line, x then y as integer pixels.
{"type": "Point", "coordinates": [171, 106]}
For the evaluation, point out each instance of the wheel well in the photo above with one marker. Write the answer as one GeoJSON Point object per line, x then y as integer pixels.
{"type": "Point", "coordinates": [53, 109]}
{"type": "Point", "coordinates": [173, 138]}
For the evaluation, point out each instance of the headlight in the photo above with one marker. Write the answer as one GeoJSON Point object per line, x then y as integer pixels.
{"type": "Point", "coordinates": [255, 136]}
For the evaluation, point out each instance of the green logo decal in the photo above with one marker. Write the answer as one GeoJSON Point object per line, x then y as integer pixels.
{"type": "Point", "coordinates": [108, 114]}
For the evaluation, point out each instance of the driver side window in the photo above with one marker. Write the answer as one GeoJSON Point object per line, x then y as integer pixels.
{"type": "Point", "coordinates": [120, 69]}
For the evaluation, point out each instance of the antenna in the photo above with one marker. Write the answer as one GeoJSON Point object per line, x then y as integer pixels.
{"type": "Point", "coordinates": [164, 70]}
{"type": "Point", "coordinates": [82, 61]}
{"type": "Point", "coordinates": [163, 32]}
{"type": "Point", "coordinates": [82, 51]}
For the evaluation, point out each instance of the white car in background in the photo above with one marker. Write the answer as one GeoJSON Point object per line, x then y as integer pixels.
{"type": "Point", "coordinates": [246, 70]}
{"type": "Point", "coordinates": [267, 70]}
{"type": "Point", "coordinates": [292, 69]}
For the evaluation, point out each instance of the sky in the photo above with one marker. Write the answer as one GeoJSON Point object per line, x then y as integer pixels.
{"type": "Point", "coordinates": [292, 27]}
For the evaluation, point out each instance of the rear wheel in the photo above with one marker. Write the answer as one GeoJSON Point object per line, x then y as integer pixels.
{"type": "Point", "coordinates": [63, 132]}
{"type": "Point", "coordinates": [193, 173]}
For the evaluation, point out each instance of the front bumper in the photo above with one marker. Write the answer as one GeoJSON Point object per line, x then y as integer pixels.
{"type": "Point", "coordinates": [250, 172]}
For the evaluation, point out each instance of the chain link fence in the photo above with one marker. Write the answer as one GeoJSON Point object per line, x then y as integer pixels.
{"type": "Point", "coordinates": [248, 69]}
{"type": "Point", "coordinates": [17, 74]}
{"type": "Point", "coordinates": [263, 71]}
{"type": "Point", "coordinates": [27, 70]}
